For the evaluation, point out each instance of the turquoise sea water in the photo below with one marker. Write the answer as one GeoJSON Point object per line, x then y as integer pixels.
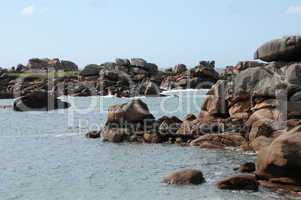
{"type": "Point", "coordinates": [44, 156]}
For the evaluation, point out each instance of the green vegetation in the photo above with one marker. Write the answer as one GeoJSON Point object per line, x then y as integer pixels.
{"type": "Point", "coordinates": [45, 75]}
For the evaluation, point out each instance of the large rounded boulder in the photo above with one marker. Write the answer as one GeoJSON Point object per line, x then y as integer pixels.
{"type": "Point", "coordinates": [283, 49]}
{"type": "Point", "coordinates": [91, 70]}
{"type": "Point", "coordinates": [141, 63]}
{"type": "Point", "coordinates": [132, 112]}
{"type": "Point", "coordinates": [282, 158]}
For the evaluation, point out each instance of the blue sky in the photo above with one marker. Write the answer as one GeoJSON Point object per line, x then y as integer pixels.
{"type": "Point", "coordinates": [165, 32]}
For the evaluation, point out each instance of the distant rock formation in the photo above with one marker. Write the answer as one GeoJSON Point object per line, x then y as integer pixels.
{"type": "Point", "coordinates": [49, 64]}
{"type": "Point", "coordinates": [203, 76]}
{"type": "Point", "coordinates": [122, 78]}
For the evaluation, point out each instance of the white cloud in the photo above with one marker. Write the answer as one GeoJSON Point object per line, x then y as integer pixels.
{"type": "Point", "coordinates": [28, 10]}
{"type": "Point", "coordinates": [294, 10]}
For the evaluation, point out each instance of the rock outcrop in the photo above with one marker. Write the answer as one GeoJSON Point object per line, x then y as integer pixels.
{"type": "Point", "coordinates": [133, 122]}
{"type": "Point", "coordinates": [49, 64]}
{"type": "Point", "coordinates": [283, 49]}
{"type": "Point", "coordinates": [124, 78]}
{"type": "Point", "coordinates": [264, 99]}
{"type": "Point", "coordinates": [4, 84]}
{"type": "Point", "coordinates": [128, 122]}
{"type": "Point", "coordinates": [203, 76]}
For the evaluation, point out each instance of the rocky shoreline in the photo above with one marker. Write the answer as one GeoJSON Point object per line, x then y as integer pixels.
{"type": "Point", "coordinates": [254, 107]}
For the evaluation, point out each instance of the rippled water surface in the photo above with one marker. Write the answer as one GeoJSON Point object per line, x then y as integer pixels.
{"type": "Point", "coordinates": [44, 156]}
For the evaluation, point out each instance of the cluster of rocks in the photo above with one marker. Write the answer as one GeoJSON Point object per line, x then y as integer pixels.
{"type": "Point", "coordinates": [133, 122]}
{"type": "Point", "coordinates": [254, 107]}
{"type": "Point", "coordinates": [38, 75]}
{"type": "Point", "coordinates": [203, 76]}
{"type": "Point", "coordinates": [125, 78]}
{"type": "Point", "coordinates": [137, 77]}
{"type": "Point", "coordinates": [122, 78]}
{"type": "Point", "coordinates": [4, 82]}
{"type": "Point", "coordinates": [46, 64]}
{"type": "Point", "coordinates": [265, 99]}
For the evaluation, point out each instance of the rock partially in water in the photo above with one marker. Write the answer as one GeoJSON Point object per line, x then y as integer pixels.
{"type": "Point", "coordinates": [219, 141]}
{"type": "Point", "coordinates": [185, 177]}
{"type": "Point", "coordinates": [39, 101]}
{"type": "Point", "coordinates": [260, 143]}
{"type": "Point", "coordinates": [130, 122]}
{"type": "Point", "coordinates": [114, 135]}
{"type": "Point", "coordinates": [284, 186]}
{"type": "Point", "coordinates": [168, 125]}
{"type": "Point", "coordinates": [132, 112]}
{"type": "Point", "coordinates": [248, 167]}
{"type": "Point", "coordinates": [239, 183]}
{"type": "Point", "coordinates": [153, 138]}
{"type": "Point", "coordinates": [281, 158]}
{"type": "Point", "coordinates": [93, 134]}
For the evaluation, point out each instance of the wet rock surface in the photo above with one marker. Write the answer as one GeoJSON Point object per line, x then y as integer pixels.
{"type": "Point", "coordinates": [254, 104]}
{"type": "Point", "coordinates": [185, 177]}
{"type": "Point", "coordinates": [239, 183]}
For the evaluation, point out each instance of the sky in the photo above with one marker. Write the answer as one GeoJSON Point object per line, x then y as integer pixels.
{"type": "Point", "coordinates": [165, 32]}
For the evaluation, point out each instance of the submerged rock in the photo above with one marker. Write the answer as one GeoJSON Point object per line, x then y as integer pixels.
{"type": "Point", "coordinates": [184, 177]}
